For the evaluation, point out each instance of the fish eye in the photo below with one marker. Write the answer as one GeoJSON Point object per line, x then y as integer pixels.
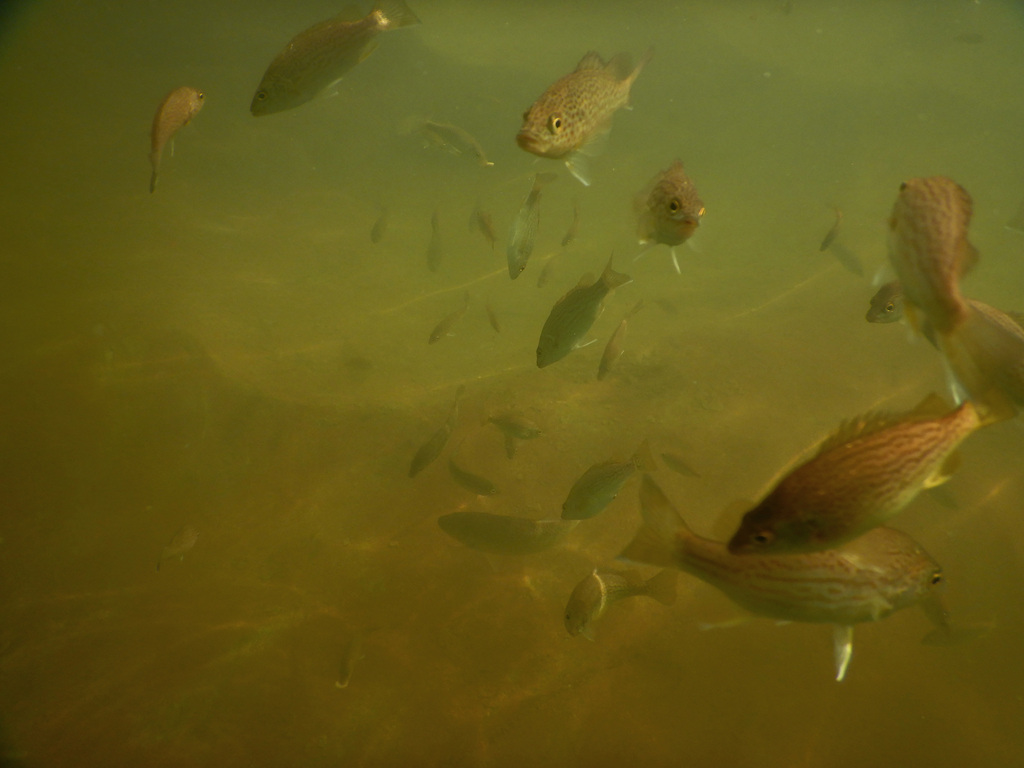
{"type": "Point", "coordinates": [936, 578]}
{"type": "Point", "coordinates": [674, 205]}
{"type": "Point", "coordinates": [890, 307]}
{"type": "Point", "coordinates": [555, 123]}
{"type": "Point", "coordinates": [763, 537]}
{"type": "Point", "coordinates": [200, 95]}
{"type": "Point", "coordinates": [261, 95]}
{"type": "Point", "coordinates": [903, 186]}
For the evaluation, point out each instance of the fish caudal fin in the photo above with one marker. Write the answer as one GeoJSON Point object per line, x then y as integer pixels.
{"type": "Point", "coordinates": [842, 644]}
{"type": "Point", "coordinates": [397, 13]}
{"type": "Point", "coordinates": [655, 541]}
{"type": "Point", "coordinates": [987, 359]}
{"type": "Point", "coordinates": [613, 279]}
{"type": "Point", "coordinates": [643, 459]}
{"type": "Point", "coordinates": [662, 587]}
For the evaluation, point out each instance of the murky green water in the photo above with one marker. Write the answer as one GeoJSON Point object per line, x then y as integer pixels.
{"type": "Point", "coordinates": [233, 353]}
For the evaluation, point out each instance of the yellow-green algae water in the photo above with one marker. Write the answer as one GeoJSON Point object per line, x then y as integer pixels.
{"type": "Point", "coordinates": [233, 353]}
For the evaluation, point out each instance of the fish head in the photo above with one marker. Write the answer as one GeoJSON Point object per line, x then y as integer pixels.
{"type": "Point", "coordinates": [886, 304]}
{"type": "Point", "coordinates": [671, 211]}
{"type": "Point", "coordinates": [276, 93]}
{"type": "Point", "coordinates": [548, 128]}
{"type": "Point", "coordinates": [763, 531]}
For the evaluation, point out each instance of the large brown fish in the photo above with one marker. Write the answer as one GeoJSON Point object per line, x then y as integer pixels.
{"type": "Point", "coordinates": [861, 476]}
{"type": "Point", "coordinates": [578, 108]}
{"type": "Point", "coordinates": [174, 113]}
{"type": "Point", "coordinates": [929, 250]}
{"type": "Point", "coordinates": [669, 209]}
{"type": "Point", "coordinates": [864, 580]}
{"type": "Point", "coordinates": [318, 57]}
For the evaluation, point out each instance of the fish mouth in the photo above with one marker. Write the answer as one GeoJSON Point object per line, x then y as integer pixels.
{"type": "Point", "coordinates": [528, 141]}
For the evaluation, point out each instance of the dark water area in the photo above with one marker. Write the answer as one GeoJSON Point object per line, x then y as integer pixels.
{"type": "Point", "coordinates": [233, 355]}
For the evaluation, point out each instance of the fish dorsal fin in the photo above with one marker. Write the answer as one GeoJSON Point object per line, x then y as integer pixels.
{"type": "Point", "coordinates": [351, 12]}
{"type": "Point", "coordinates": [590, 60]}
{"type": "Point", "coordinates": [585, 280]}
{"type": "Point", "coordinates": [620, 66]}
{"type": "Point", "coordinates": [869, 423]}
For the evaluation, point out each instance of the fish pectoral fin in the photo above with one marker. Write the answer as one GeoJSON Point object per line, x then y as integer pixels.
{"type": "Point", "coordinates": [581, 345]}
{"type": "Point", "coordinates": [588, 632]}
{"type": "Point", "coordinates": [945, 471]}
{"type": "Point", "coordinates": [578, 167]}
{"type": "Point", "coordinates": [369, 48]}
{"type": "Point", "coordinates": [842, 645]}
{"type": "Point", "coordinates": [675, 260]}
{"type": "Point", "coordinates": [704, 626]}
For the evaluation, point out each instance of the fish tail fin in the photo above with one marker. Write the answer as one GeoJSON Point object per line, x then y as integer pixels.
{"type": "Point", "coordinates": [987, 358]}
{"type": "Point", "coordinates": [662, 586]}
{"type": "Point", "coordinates": [643, 459]}
{"type": "Point", "coordinates": [397, 13]}
{"type": "Point", "coordinates": [655, 541]}
{"type": "Point", "coordinates": [613, 279]}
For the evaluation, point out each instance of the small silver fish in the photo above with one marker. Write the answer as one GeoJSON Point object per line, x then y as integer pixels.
{"type": "Point", "coordinates": [182, 542]}
{"type": "Point", "coordinates": [592, 596]}
{"type": "Point", "coordinates": [677, 465]}
{"type": "Point", "coordinates": [523, 234]}
{"type": "Point", "coordinates": [454, 140]}
{"type": "Point", "coordinates": [574, 314]}
{"type": "Point", "coordinates": [574, 227]}
{"type": "Point", "coordinates": [504, 534]}
{"type": "Point", "coordinates": [380, 226]}
{"type": "Point", "coordinates": [350, 656]}
{"type": "Point", "coordinates": [318, 57]}
{"type": "Point", "coordinates": [616, 344]}
{"type": "Point", "coordinates": [833, 233]}
{"type": "Point", "coordinates": [435, 249]}
{"type": "Point", "coordinates": [514, 426]}
{"type": "Point", "coordinates": [599, 485]}
{"type": "Point", "coordinates": [431, 449]}
{"type": "Point", "coordinates": [444, 327]}
{"type": "Point", "coordinates": [174, 113]}
{"type": "Point", "coordinates": [481, 486]}
{"type": "Point", "coordinates": [492, 318]}
{"type": "Point", "coordinates": [482, 221]}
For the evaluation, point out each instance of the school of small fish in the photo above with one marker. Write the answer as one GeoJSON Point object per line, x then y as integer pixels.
{"type": "Point", "coordinates": [816, 547]}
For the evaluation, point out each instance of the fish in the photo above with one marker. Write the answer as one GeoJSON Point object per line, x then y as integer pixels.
{"type": "Point", "coordinates": [860, 477]}
{"type": "Point", "coordinates": [174, 113]}
{"type": "Point", "coordinates": [454, 140]}
{"type": "Point", "coordinates": [575, 111]}
{"type": "Point", "coordinates": [435, 249]}
{"type": "Point", "coordinates": [573, 315]}
{"type": "Point", "coordinates": [431, 449]}
{"type": "Point", "coordinates": [380, 226]}
{"type": "Point", "coordinates": [616, 344]}
{"type": "Point", "coordinates": [574, 226]}
{"type": "Point", "coordinates": [833, 233]}
{"type": "Point", "coordinates": [514, 426]}
{"type": "Point", "coordinates": [523, 233]}
{"type": "Point", "coordinates": [444, 327]}
{"type": "Point", "coordinates": [182, 542]}
{"type": "Point", "coordinates": [599, 485]}
{"type": "Point", "coordinates": [351, 655]}
{"type": "Point", "coordinates": [481, 486]}
{"type": "Point", "coordinates": [482, 221]}
{"type": "Point", "coordinates": [929, 249]}
{"type": "Point", "coordinates": [598, 590]}
{"type": "Point", "coordinates": [866, 579]}
{"type": "Point", "coordinates": [677, 465]}
{"type": "Point", "coordinates": [492, 318]}
{"type": "Point", "coordinates": [669, 209]}
{"type": "Point", "coordinates": [504, 534]}
{"type": "Point", "coordinates": [544, 277]}
{"type": "Point", "coordinates": [318, 57]}
{"type": "Point", "coordinates": [886, 304]}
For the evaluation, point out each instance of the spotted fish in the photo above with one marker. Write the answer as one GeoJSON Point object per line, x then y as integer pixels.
{"type": "Point", "coordinates": [578, 108]}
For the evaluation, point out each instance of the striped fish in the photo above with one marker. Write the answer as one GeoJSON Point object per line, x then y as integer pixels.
{"type": "Point", "coordinates": [865, 580]}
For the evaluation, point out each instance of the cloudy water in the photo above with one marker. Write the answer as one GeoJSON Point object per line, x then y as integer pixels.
{"type": "Point", "coordinates": [234, 356]}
